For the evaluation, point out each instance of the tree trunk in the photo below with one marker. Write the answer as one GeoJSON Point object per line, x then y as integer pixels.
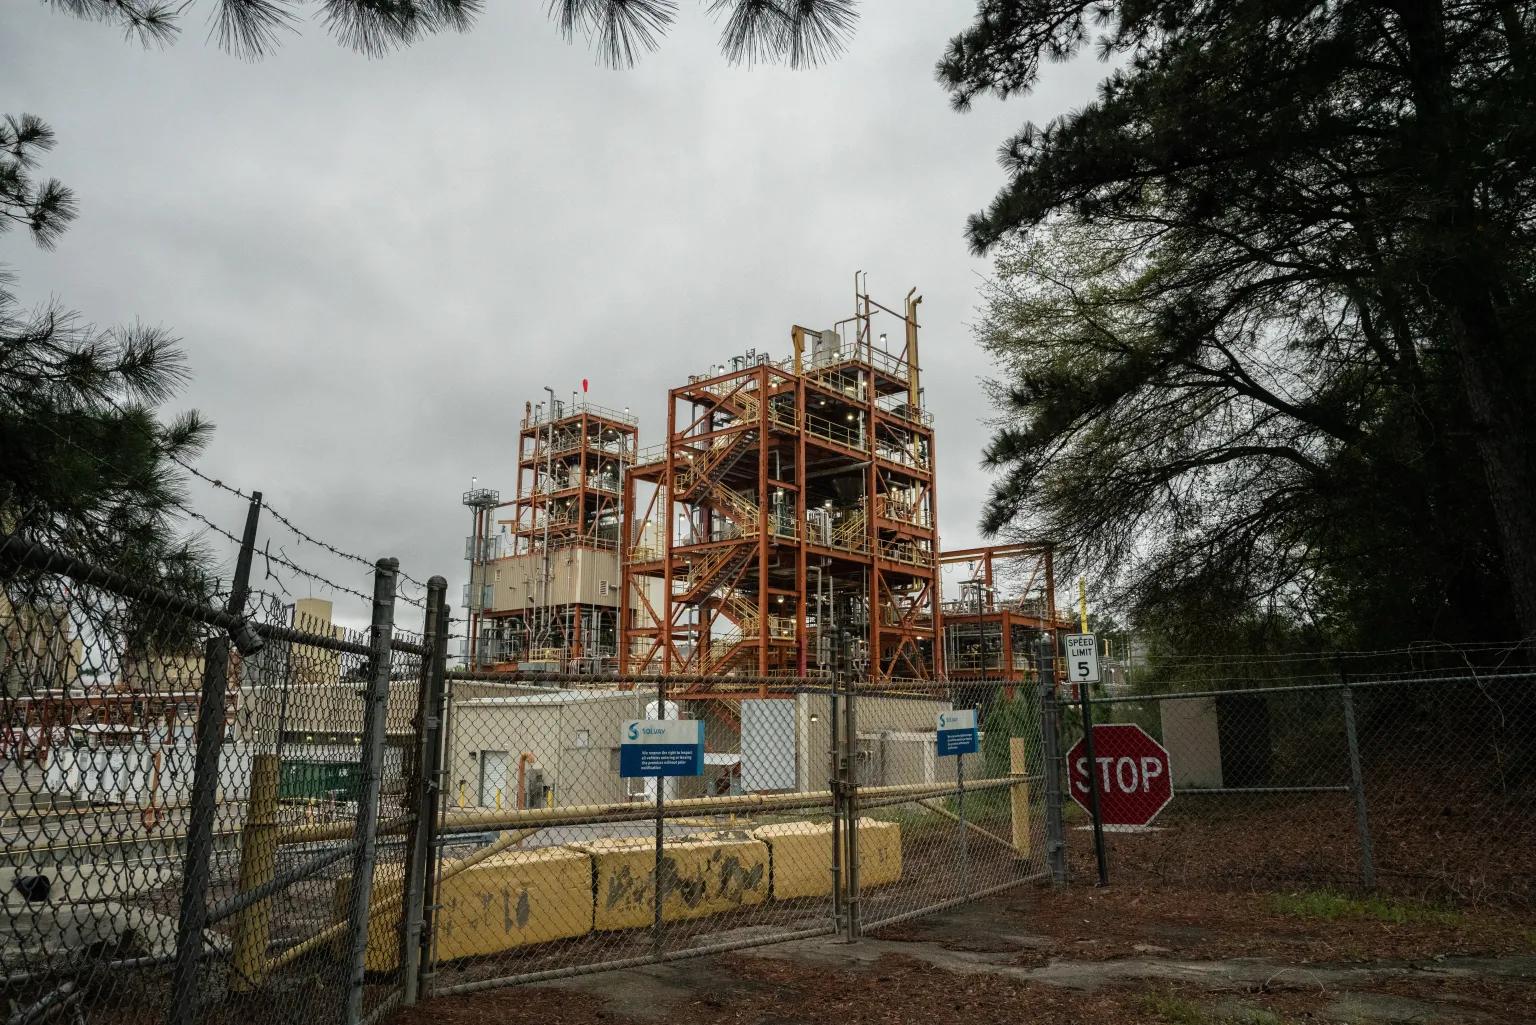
{"type": "Point", "coordinates": [1462, 275]}
{"type": "Point", "coordinates": [1503, 411]}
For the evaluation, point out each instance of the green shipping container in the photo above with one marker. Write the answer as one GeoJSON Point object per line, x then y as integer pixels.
{"type": "Point", "coordinates": [304, 778]}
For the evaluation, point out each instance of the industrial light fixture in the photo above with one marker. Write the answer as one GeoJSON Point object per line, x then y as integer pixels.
{"type": "Point", "coordinates": [882, 337]}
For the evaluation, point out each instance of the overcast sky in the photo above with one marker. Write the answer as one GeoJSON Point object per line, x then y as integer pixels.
{"type": "Point", "coordinates": [372, 264]}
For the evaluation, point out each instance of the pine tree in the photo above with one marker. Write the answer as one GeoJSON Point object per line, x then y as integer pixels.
{"type": "Point", "coordinates": [798, 32]}
{"type": "Point", "coordinates": [86, 466]}
{"type": "Point", "coordinates": [1263, 305]}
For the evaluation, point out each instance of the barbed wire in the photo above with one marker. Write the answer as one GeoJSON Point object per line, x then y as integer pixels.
{"type": "Point", "coordinates": [1417, 649]}
{"type": "Point", "coordinates": [295, 529]}
{"type": "Point", "coordinates": [218, 482]}
{"type": "Point", "coordinates": [194, 514]}
{"type": "Point", "coordinates": [289, 564]}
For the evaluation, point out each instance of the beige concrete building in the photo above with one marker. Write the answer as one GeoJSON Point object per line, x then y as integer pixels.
{"type": "Point", "coordinates": [552, 747]}
{"type": "Point", "coordinates": [38, 648]}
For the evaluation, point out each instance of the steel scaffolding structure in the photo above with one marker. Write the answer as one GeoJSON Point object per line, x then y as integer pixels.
{"type": "Point", "coordinates": [791, 508]}
{"type": "Point", "coordinates": [547, 582]}
{"type": "Point", "coordinates": [1003, 603]}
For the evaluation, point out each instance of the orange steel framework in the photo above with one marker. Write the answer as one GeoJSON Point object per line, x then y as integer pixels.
{"type": "Point", "coordinates": [570, 469]}
{"type": "Point", "coordinates": [789, 498]}
{"type": "Point", "coordinates": [1006, 600]}
{"type": "Point", "coordinates": [572, 459]}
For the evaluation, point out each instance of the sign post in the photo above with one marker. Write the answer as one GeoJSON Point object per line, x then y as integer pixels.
{"type": "Point", "coordinates": [1130, 771]}
{"type": "Point", "coordinates": [661, 748]}
{"type": "Point", "coordinates": [1083, 669]}
{"type": "Point", "coordinates": [958, 735]}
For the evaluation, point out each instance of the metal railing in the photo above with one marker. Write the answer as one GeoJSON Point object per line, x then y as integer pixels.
{"type": "Point", "coordinates": [564, 408]}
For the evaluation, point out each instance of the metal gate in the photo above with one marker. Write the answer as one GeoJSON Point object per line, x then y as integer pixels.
{"type": "Point", "coordinates": [823, 809]}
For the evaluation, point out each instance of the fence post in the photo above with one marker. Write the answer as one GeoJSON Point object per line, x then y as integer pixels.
{"type": "Point", "coordinates": [851, 804]}
{"type": "Point", "coordinates": [1050, 742]}
{"type": "Point", "coordinates": [193, 913]}
{"type": "Point", "coordinates": [1085, 696]}
{"type": "Point", "coordinates": [419, 793]}
{"type": "Point", "coordinates": [1018, 794]}
{"type": "Point", "coordinates": [657, 898]}
{"type": "Point", "coordinates": [1357, 788]}
{"type": "Point", "coordinates": [965, 855]}
{"type": "Point", "coordinates": [838, 766]}
{"type": "Point", "coordinates": [438, 782]}
{"type": "Point", "coordinates": [375, 709]}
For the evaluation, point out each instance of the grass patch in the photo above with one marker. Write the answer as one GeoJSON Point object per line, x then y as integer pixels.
{"type": "Point", "coordinates": [1173, 1009]}
{"type": "Point", "coordinates": [1176, 1010]}
{"type": "Point", "coordinates": [1332, 907]}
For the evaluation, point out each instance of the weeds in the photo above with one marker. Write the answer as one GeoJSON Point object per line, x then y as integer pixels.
{"type": "Point", "coordinates": [1331, 907]}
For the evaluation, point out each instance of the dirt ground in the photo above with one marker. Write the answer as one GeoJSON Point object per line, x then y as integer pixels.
{"type": "Point", "coordinates": [1241, 911]}
{"type": "Point", "coordinates": [1126, 955]}
{"type": "Point", "coordinates": [1461, 846]}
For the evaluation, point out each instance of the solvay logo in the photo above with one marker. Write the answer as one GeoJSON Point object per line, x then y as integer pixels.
{"type": "Point", "coordinates": [943, 720]}
{"type": "Point", "coordinates": [634, 731]}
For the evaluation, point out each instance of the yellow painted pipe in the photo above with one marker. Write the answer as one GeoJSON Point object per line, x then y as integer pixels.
{"type": "Point", "coordinates": [973, 827]}
{"type": "Point", "coordinates": [521, 818]}
{"type": "Point", "coordinates": [1018, 765]}
{"type": "Point", "coordinates": [258, 862]}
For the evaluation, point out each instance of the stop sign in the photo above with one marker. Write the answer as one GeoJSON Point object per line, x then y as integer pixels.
{"type": "Point", "coordinates": [1135, 777]}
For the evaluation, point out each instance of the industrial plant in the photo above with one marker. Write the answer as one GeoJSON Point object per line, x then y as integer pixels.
{"type": "Point", "coordinates": [788, 516]}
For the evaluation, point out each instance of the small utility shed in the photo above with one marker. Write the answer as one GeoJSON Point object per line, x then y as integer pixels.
{"type": "Point", "coordinates": [896, 740]}
{"type": "Point", "coordinates": [565, 741]}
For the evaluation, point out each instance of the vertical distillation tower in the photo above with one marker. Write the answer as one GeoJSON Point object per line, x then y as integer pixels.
{"type": "Point", "coordinates": [481, 503]}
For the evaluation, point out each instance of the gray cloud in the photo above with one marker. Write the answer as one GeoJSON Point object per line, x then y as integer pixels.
{"type": "Point", "coordinates": [373, 264]}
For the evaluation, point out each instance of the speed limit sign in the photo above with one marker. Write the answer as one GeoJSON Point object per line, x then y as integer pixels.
{"type": "Point", "coordinates": [1082, 658]}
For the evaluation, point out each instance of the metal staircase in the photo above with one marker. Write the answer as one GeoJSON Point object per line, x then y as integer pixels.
{"type": "Point", "coordinates": [707, 576]}
{"type": "Point", "coordinates": [708, 469]}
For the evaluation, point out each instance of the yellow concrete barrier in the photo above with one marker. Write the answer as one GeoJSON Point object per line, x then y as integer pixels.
{"type": "Point", "coordinates": [701, 875]}
{"type": "Point", "coordinates": [879, 853]}
{"type": "Point", "coordinates": [802, 856]}
{"type": "Point", "coordinates": [512, 899]}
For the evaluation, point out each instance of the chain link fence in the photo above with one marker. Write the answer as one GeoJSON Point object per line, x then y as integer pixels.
{"type": "Point", "coordinates": [554, 861]}
{"type": "Point", "coordinates": [217, 807]}
{"type": "Point", "coordinates": [221, 808]}
{"type": "Point", "coordinates": [202, 795]}
{"type": "Point", "coordinates": [980, 829]}
{"type": "Point", "coordinates": [1418, 783]}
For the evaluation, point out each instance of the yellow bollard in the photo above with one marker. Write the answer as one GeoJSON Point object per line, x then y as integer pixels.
{"type": "Point", "coordinates": [461, 793]}
{"type": "Point", "coordinates": [1018, 765]}
{"type": "Point", "coordinates": [258, 861]}
{"type": "Point", "coordinates": [498, 798]}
